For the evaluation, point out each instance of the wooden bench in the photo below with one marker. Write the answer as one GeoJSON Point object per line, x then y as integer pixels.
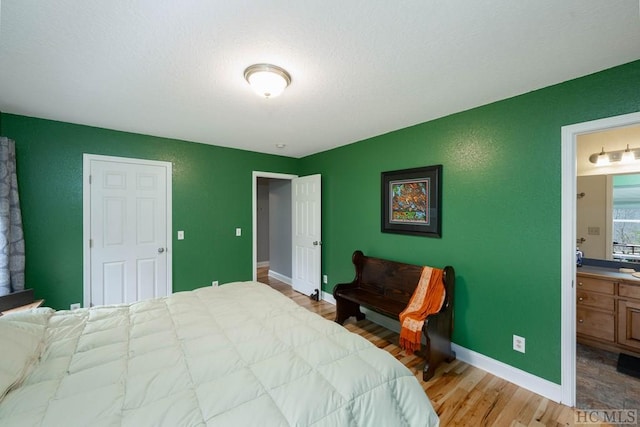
{"type": "Point", "coordinates": [386, 287]}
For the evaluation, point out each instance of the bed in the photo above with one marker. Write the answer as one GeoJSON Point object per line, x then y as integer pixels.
{"type": "Point", "coordinates": [237, 355]}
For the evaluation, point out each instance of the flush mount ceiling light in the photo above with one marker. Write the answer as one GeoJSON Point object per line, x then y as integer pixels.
{"type": "Point", "coordinates": [267, 80]}
{"type": "Point", "coordinates": [603, 158]}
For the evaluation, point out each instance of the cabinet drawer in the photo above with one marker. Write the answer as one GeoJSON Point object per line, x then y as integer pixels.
{"type": "Point", "coordinates": [597, 285]}
{"type": "Point", "coordinates": [592, 299]}
{"type": "Point", "coordinates": [596, 324]}
{"type": "Point", "coordinates": [629, 291]}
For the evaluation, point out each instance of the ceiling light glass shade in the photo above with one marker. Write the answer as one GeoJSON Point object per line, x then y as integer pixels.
{"type": "Point", "coordinates": [267, 80]}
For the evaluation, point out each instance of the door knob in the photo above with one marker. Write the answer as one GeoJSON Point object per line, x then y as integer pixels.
{"type": "Point", "coordinates": [160, 250]}
{"type": "Point", "coordinates": [316, 243]}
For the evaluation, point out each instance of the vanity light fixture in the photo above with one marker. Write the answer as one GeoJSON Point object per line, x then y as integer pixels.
{"type": "Point", "coordinates": [603, 158]}
{"type": "Point", "coordinates": [267, 80]}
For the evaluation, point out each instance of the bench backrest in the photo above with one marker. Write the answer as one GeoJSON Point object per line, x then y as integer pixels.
{"type": "Point", "coordinates": [394, 280]}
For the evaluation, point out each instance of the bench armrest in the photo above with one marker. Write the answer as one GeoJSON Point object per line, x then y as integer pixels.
{"type": "Point", "coordinates": [341, 286]}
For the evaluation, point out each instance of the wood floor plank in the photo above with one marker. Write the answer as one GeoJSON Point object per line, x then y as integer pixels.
{"type": "Point", "coordinates": [462, 395]}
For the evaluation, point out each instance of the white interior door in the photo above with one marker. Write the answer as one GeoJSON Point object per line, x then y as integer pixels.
{"type": "Point", "coordinates": [306, 248]}
{"type": "Point", "coordinates": [129, 230]}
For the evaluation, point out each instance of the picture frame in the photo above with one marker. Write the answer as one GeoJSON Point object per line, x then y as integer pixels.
{"type": "Point", "coordinates": [412, 201]}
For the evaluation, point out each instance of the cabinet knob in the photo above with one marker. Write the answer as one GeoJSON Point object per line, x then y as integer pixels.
{"type": "Point", "coordinates": [580, 320]}
{"type": "Point", "coordinates": [579, 283]}
{"type": "Point", "coordinates": [580, 299]}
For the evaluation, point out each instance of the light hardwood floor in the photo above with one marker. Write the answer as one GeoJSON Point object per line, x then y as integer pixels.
{"type": "Point", "coordinates": [461, 394]}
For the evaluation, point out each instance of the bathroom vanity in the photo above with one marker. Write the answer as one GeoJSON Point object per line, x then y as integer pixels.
{"type": "Point", "coordinates": [608, 309]}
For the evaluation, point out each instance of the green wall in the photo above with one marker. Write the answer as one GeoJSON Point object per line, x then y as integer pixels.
{"type": "Point", "coordinates": [501, 209]}
{"type": "Point", "coordinates": [211, 197]}
{"type": "Point", "coordinates": [501, 206]}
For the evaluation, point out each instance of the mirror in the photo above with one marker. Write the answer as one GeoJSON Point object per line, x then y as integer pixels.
{"type": "Point", "coordinates": [608, 198]}
{"type": "Point", "coordinates": [608, 217]}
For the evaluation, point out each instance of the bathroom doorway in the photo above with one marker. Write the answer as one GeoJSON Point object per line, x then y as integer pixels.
{"type": "Point", "coordinates": [569, 348]}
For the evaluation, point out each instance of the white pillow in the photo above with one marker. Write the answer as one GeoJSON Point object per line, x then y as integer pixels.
{"type": "Point", "coordinates": [21, 338]}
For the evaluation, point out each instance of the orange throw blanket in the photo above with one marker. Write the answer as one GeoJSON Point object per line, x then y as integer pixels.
{"type": "Point", "coordinates": [426, 299]}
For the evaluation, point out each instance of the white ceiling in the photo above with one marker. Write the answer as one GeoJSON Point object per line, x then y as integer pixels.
{"type": "Point", "coordinates": [359, 68]}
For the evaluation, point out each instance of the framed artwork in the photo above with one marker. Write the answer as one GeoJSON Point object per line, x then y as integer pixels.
{"type": "Point", "coordinates": [412, 201]}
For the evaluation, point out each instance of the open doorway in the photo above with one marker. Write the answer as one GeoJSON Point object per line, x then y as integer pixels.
{"type": "Point", "coordinates": [272, 225]}
{"type": "Point", "coordinates": [569, 237]}
{"type": "Point", "coordinates": [274, 228]}
{"type": "Point", "coordinates": [608, 237]}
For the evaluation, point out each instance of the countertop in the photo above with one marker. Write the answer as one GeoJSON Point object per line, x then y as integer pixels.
{"type": "Point", "coordinates": [612, 273]}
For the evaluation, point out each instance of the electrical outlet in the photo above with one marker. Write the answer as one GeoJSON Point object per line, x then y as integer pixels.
{"type": "Point", "coordinates": [74, 306]}
{"type": "Point", "coordinates": [325, 279]}
{"type": "Point", "coordinates": [214, 283]}
{"type": "Point", "coordinates": [518, 343]}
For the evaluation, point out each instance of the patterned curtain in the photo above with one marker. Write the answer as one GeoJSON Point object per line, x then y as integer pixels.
{"type": "Point", "coordinates": [11, 237]}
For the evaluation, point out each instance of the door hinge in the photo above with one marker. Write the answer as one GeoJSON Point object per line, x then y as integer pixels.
{"type": "Point", "coordinates": [90, 243]}
{"type": "Point", "coordinates": [89, 179]}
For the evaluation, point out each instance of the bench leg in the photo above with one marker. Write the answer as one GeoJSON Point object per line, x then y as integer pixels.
{"type": "Point", "coordinates": [346, 309]}
{"type": "Point", "coordinates": [438, 345]}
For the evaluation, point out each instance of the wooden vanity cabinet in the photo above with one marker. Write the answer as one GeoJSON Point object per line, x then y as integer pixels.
{"type": "Point", "coordinates": [595, 309]}
{"type": "Point", "coordinates": [608, 312]}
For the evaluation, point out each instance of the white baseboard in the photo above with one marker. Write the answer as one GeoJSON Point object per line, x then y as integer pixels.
{"type": "Point", "coordinates": [517, 376]}
{"type": "Point", "coordinates": [280, 277]}
{"type": "Point", "coordinates": [262, 264]}
{"type": "Point", "coordinates": [326, 296]}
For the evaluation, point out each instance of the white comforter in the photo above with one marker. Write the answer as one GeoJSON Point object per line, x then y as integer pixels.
{"type": "Point", "coordinates": [238, 355]}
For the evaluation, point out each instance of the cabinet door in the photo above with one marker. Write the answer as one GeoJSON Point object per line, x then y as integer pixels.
{"type": "Point", "coordinates": [629, 323]}
{"type": "Point", "coordinates": [596, 324]}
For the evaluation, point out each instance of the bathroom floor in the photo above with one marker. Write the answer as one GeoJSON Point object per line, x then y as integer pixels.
{"type": "Point", "coordinates": [599, 385]}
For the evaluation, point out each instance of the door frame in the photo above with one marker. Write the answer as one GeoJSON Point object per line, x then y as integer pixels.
{"type": "Point", "coordinates": [86, 217]}
{"type": "Point", "coordinates": [254, 212]}
{"type": "Point", "coordinates": [568, 243]}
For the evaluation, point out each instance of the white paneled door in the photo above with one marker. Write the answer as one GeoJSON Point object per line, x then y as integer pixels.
{"type": "Point", "coordinates": [306, 253]}
{"type": "Point", "coordinates": [129, 251]}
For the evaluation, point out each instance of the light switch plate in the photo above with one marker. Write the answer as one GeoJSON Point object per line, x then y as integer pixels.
{"type": "Point", "coordinates": [238, 231]}
{"type": "Point", "coordinates": [181, 235]}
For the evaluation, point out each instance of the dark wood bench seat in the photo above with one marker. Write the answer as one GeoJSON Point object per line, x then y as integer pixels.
{"type": "Point", "coordinates": [373, 300]}
{"type": "Point", "coordinates": [386, 287]}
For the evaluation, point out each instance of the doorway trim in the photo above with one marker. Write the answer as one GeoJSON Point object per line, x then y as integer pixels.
{"type": "Point", "coordinates": [86, 217]}
{"type": "Point", "coordinates": [568, 243]}
{"type": "Point", "coordinates": [254, 212]}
